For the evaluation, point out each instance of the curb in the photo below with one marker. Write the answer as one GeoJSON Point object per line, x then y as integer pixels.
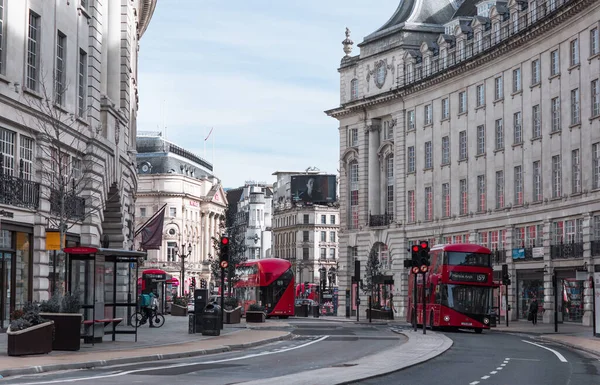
{"type": "Point", "coordinates": [137, 359]}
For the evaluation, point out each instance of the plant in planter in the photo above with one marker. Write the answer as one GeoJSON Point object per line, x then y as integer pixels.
{"type": "Point", "coordinates": [255, 313]}
{"type": "Point", "coordinates": [232, 311]}
{"type": "Point", "coordinates": [29, 332]}
{"type": "Point", "coordinates": [67, 320]}
{"type": "Point", "coordinates": [179, 307]}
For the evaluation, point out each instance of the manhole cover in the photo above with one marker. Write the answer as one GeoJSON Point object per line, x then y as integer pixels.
{"type": "Point", "coordinates": [343, 365]}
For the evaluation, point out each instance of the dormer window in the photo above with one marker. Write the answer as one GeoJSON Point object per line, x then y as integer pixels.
{"type": "Point", "coordinates": [483, 8]}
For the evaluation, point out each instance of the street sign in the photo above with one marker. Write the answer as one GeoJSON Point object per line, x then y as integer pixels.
{"type": "Point", "coordinates": [224, 264]}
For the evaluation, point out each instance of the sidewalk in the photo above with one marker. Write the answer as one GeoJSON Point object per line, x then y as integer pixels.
{"type": "Point", "coordinates": [569, 334]}
{"type": "Point", "coordinates": [169, 342]}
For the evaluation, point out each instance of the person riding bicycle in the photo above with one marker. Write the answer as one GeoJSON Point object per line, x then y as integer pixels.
{"type": "Point", "coordinates": [150, 306]}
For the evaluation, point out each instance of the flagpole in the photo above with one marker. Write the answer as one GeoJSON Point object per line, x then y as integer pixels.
{"type": "Point", "coordinates": [213, 151]}
{"type": "Point", "coordinates": [204, 155]}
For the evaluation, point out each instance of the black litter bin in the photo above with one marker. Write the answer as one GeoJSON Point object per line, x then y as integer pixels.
{"type": "Point", "coordinates": [211, 320]}
{"type": "Point", "coordinates": [192, 324]}
{"type": "Point", "coordinates": [316, 311]}
{"type": "Point", "coordinates": [304, 308]}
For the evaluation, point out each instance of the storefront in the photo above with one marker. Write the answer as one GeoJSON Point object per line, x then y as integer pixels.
{"type": "Point", "coordinates": [570, 296]}
{"type": "Point", "coordinates": [530, 284]}
{"type": "Point", "coordinates": [16, 269]}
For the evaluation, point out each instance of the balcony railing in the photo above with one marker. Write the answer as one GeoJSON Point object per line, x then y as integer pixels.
{"type": "Point", "coordinates": [380, 220]}
{"type": "Point", "coordinates": [566, 250]}
{"type": "Point", "coordinates": [19, 192]}
{"type": "Point", "coordinates": [74, 205]}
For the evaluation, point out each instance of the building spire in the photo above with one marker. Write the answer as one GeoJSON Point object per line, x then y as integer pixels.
{"type": "Point", "coordinates": [347, 43]}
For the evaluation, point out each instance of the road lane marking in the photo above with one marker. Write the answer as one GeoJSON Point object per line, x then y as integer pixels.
{"type": "Point", "coordinates": [493, 372]}
{"type": "Point", "coordinates": [503, 364]}
{"type": "Point", "coordinates": [526, 359]}
{"type": "Point", "coordinates": [499, 368]}
{"type": "Point", "coordinates": [474, 383]}
{"type": "Point", "coordinates": [557, 354]}
{"type": "Point", "coordinates": [485, 377]}
{"type": "Point", "coordinates": [175, 365]}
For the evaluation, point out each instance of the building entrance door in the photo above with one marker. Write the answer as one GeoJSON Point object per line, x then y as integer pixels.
{"type": "Point", "coordinates": [5, 288]}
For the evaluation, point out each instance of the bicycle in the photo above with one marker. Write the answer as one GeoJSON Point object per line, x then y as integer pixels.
{"type": "Point", "coordinates": [139, 318]}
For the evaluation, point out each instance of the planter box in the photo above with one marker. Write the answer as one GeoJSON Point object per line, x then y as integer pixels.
{"type": "Point", "coordinates": [178, 311]}
{"type": "Point", "coordinates": [67, 330]}
{"type": "Point", "coordinates": [255, 316]}
{"type": "Point", "coordinates": [233, 316]}
{"type": "Point", "coordinates": [379, 314]}
{"type": "Point", "coordinates": [34, 340]}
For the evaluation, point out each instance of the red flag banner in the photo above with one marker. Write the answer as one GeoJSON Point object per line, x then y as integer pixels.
{"type": "Point", "coordinates": [152, 232]}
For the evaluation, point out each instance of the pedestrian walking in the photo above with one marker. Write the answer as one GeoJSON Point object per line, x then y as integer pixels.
{"type": "Point", "coordinates": [533, 310]}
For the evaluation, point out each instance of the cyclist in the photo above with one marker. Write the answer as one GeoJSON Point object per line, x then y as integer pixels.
{"type": "Point", "coordinates": [150, 308]}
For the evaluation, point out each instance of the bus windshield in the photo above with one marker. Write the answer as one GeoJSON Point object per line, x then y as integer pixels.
{"type": "Point", "coordinates": [466, 299]}
{"type": "Point", "coordinates": [459, 258]}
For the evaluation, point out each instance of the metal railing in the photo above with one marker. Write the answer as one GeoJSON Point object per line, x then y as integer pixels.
{"type": "Point", "coordinates": [566, 250]}
{"type": "Point", "coordinates": [380, 220]}
{"type": "Point", "coordinates": [19, 192]}
{"type": "Point", "coordinates": [74, 205]}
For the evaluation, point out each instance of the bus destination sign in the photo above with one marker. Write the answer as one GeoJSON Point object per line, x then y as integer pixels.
{"type": "Point", "coordinates": [462, 276]}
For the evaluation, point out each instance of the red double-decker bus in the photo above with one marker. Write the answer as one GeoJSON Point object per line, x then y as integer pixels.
{"type": "Point", "coordinates": [459, 286]}
{"type": "Point", "coordinates": [266, 282]}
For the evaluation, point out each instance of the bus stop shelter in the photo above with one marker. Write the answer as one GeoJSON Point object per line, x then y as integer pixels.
{"type": "Point", "coordinates": [107, 282]}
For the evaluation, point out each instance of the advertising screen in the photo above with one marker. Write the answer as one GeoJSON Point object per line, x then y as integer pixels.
{"type": "Point", "coordinates": [313, 188]}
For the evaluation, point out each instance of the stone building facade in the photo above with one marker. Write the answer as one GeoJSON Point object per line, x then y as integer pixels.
{"type": "Point", "coordinates": [478, 121]}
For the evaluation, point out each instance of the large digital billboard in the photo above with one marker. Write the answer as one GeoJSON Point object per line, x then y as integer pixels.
{"type": "Point", "coordinates": [313, 188]}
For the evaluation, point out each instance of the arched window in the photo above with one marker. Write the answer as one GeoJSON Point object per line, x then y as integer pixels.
{"type": "Point", "coordinates": [354, 89]}
{"type": "Point", "coordinates": [389, 170]}
{"type": "Point", "coordinates": [353, 209]}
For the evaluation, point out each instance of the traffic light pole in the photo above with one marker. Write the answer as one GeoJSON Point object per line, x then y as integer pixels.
{"type": "Point", "coordinates": [415, 296]}
{"type": "Point", "coordinates": [222, 295]}
{"type": "Point", "coordinates": [424, 305]}
{"type": "Point", "coordinates": [506, 301]}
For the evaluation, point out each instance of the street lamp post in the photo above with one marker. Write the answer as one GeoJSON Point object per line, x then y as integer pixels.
{"type": "Point", "coordinates": [183, 257]}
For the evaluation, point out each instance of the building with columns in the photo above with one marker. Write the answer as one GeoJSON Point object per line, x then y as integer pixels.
{"type": "Point", "coordinates": [305, 234]}
{"type": "Point", "coordinates": [477, 121]}
{"type": "Point", "coordinates": [71, 66]}
{"type": "Point", "coordinates": [195, 207]}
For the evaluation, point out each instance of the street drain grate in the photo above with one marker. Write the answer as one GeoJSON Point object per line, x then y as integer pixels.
{"type": "Point", "coordinates": [342, 365]}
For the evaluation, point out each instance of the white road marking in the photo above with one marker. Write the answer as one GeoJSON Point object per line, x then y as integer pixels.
{"type": "Point", "coordinates": [485, 377]}
{"type": "Point", "coordinates": [557, 354]}
{"type": "Point", "coordinates": [526, 359]}
{"type": "Point", "coordinates": [502, 364]}
{"type": "Point", "coordinates": [474, 383]}
{"type": "Point", "coordinates": [493, 372]}
{"type": "Point", "coordinates": [499, 368]}
{"type": "Point", "coordinates": [175, 365]}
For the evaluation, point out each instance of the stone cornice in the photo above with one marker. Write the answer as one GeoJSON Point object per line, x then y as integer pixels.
{"type": "Point", "coordinates": [565, 12]}
{"type": "Point", "coordinates": [146, 10]}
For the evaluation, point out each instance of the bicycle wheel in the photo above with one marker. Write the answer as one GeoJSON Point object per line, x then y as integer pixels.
{"type": "Point", "coordinates": [137, 319]}
{"type": "Point", "coordinates": [158, 320]}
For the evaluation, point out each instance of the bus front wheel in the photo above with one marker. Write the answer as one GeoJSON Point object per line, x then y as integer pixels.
{"type": "Point", "coordinates": [478, 330]}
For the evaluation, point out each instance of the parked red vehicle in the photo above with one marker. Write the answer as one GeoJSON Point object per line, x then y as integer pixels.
{"type": "Point", "coordinates": [460, 285]}
{"type": "Point", "coordinates": [266, 282]}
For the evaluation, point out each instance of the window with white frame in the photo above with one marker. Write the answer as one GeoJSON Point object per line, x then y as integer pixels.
{"type": "Point", "coordinates": [480, 95]}
{"type": "Point", "coordinates": [554, 63]}
{"type": "Point", "coordinates": [575, 116]}
{"type": "Point", "coordinates": [305, 253]}
{"type": "Point", "coordinates": [533, 14]}
{"type": "Point", "coordinates": [556, 177]}
{"type": "Point", "coordinates": [482, 239]}
{"type": "Point", "coordinates": [462, 102]}
{"type": "Point", "coordinates": [444, 56]}
{"type": "Point", "coordinates": [171, 251]}
{"type": "Point", "coordinates": [390, 186]}
{"type": "Point", "coordinates": [331, 253]}
{"type": "Point", "coordinates": [498, 88]}
{"type": "Point", "coordinates": [518, 129]}
{"type": "Point", "coordinates": [33, 51]}
{"type": "Point", "coordinates": [445, 150]}
{"type": "Point", "coordinates": [514, 16]}
{"type": "Point", "coordinates": [575, 171]}
{"type": "Point", "coordinates": [480, 140]}
{"type": "Point", "coordinates": [481, 194]}
{"type": "Point", "coordinates": [462, 138]}
{"type": "Point", "coordinates": [428, 111]}
{"type": "Point", "coordinates": [332, 219]}
{"type": "Point", "coordinates": [59, 71]}
{"type": "Point", "coordinates": [499, 189]}
{"type": "Point", "coordinates": [594, 42]}
{"type": "Point", "coordinates": [323, 236]}
{"type": "Point", "coordinates": [496, 33]}
{"type": "Point", "coordinates": [516, 80]}
{"type": "Point", "coordinates": [428, 204]}
{"type": "Point", "coordinates": [2, 64]}
{"type": "Point", "coordinates": [409, 73]}
{"type": "Point", "coordinates": [445, 108]}
{"type": "Point", "coordinates": [428, 155]}
{"type": "Point", "coordinates": [26, 154]}
{"type": "Point", "coordinates": [479, 41]}
{"type": "Point", "coordinates": [596, 165]}
{"type": "Point", "coordinates": [323, 253]}
{"type": "Point", "coordinates": [410, 163]}
{"type": "Point", "coordinates": [411, 206]}
{"type": "Point", "coordinates": [446, 200]}
{"type": "Point", "coordinates": [332, 236]}
{"type": "Point", "coordinates": [410, 120]}
{"type": "Point", "coordinates": [353, 137]}
{"type": "Point", "coordinates": [464, 197]}
{"type": "Point", "coordinates": [461, 50]}
{"type": "Point", "coordinates": [595, 89]}
{"type": "Point", "coordinates": [82, 84]}
{"type": "Point", "coordinates": [499, 134]}
{"type": "Point", "coordinates": [536, 123]}
{"type": "Point", "coordinates": [354, 195]}
{"type": "Point", "coordinates": [552, 4]}
{"type": "Point", "coordinates": [7, 151]}
{"type": "Point", "coordinates": [305, 236]}
{"type": "Point", "coordinates": [535, 72]}
{"type": "Point", "coordinates": [76, 170]}
{"type": "Point", "coordinates": [518, 185]}
{"type": "Point", "coordinates": [537, 181]}
{"type": "Point", "coordinates": [354, 89]}
{"type": "Point", "coordinates": [143, 212]}
{"type": "Point", "coordinates": [555, 105]}
{"type": "Point", "coordinates": [574, 50]}
{"type": "Point", "coordinates": [558, 232]}
{"type": "Point", "coordinates": [519, 237]}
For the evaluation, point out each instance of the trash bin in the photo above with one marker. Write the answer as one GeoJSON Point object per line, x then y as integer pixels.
{"type": "Point", "coordinates": [211, 320]}
{"type": "Point", "coordinates": [304, 308]}
{"type": "Point", "coordinates": [316, 309]}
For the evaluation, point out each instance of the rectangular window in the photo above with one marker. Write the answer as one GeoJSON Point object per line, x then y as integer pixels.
{"type": "Point", "coordinates": [142, 212]}
{"type": "Point", "coordinates": [462, 102]}
{"type": "Point", "coordinates": [59, 73]}
{"type": "Point", "coordinates": [388, 130]}
{"type": "Point", "coordinates": [446, 200]}
{"type": "Point", "coordinates": [353, 137]}
{"type": "Point", "coordinates": [480, 140]}
{"type": "Point", "coordinates": [410, 119]}
{"type": "Point", "coordinates": [515, 22]}
{"type": "Point", "coordinates": [554, 63]}
{"type": "Point", "coordinates": [498, 88]}
{"type": "Point", "coordinates": [331, 253]}
{"type": "Point", "coordinates": [575, 118]}
{"type": "Point", "coordinates": [445, 150]}
{"type": "Point", "coordinates": [534, 11]}
{"type": "Point", "coordinates": [428, 155]}
{"type": "Point", "coordinates": [171, 251]}
{"type": "Point", "coordinates": [332, 219]}
{"type": "Point", "coordinates": [462, 138]}
{"type": "Point", "coordinates": [518, 129]}
{"type": "Point", "coordinates": [172, 212]}
{"type": "Point", "coordinates": [323, 219]}
{"type": "Point", "coordinates": [305, 253]}
{"type": "Point", "coordinates": [2, 37]}
{"type": "Point", "coordinates": [556, 177]}
{"type": "Point", "coordinates": [481, 195]}
{"type": "Point", "coordinates": [323, 236]}
{"type": "Point", "coordinates": [535, 72]}
{"type": "Point", "coordinates": [518, 184]}
{"type": "Point", "coordinates": [594, 42]}
{"type": "Point", "coordinates": [33, 51]}
{"type": "Point", "coordinates": [576, 171]}
{"type": "Point", "coordinates": [354, 209]}
{"type": "Point", "coordinates": [499, 189]}
{"type": "Point", "coordinates": [596, 165]}
{"type": "Point", "coordinates": [464, 197]}
{"type": "Point", "coordinates": [332, 236]}
{"type": "Point", "coordinates": [537, 181]}
{"type": "Point", "coordinates": [595, 87]}
{"type": "Point", "coordinates": [411, 206]}
{"type": "Point", "coordinates": [81, 84]}
{"type": "Point", "coordinates": [7, 151]}
{"type": "Point", "coordinates": [354, 89]}
{"type": "Point", "coordinates": [516, 80]}
{"type": "Point", "coordinates": [305, 219]}
{"type": "Point", "coordinates": [323, 253]}
{"type": "Point", "coordinates": [480, 95]}
{"type": "Point", "coordinates": [26, 153]}
{"type": "Point", "coordinates": [499, 135]}
{"type": "Point", "coordinates": [574, 48]}
{"type": "Point", "coordinates": [411, 159]}
{"type": "Point", "coordinates": [536, 122]}
{"type": "Point", "coordinates": [428, 114]}
{"type": "Point", "coordinates": [428, 204]}
{"type": "Point", "coordinates": [445, 108]}
{"type": "Point", "coordinates": [555, 114]}
{"type": "Point", "coordinates": [305, 236]}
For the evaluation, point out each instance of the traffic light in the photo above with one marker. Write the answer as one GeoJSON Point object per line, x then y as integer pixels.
{"type": "Point", "coordinates": [424, 253]}
{"type": "Point", "coordinates": [224, 249]}
{"type": "Point", "coordinates": [203, 283]}
{"type": "Point", "coordinates": [505, 275]}
{"type": "Point", "coordinates": [193, 282]}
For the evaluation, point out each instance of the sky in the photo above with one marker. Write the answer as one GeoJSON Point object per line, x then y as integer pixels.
{"type": "Point", "coordinates": [259, 73]}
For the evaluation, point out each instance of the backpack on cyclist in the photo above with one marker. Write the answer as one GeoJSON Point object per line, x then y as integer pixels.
{"type": "Point", "coordinates": [145, 300]}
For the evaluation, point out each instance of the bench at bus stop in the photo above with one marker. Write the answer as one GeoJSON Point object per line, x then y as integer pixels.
{"type": "Point", "coordinates": [87, 334]}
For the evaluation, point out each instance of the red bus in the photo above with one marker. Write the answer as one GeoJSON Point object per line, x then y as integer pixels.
{"type": "Point", "coordinates": [307, 291]}
{"type": "Point", "coordinates": [459, 287]}
{"type": "Point", "coordinates": [266, 282]}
